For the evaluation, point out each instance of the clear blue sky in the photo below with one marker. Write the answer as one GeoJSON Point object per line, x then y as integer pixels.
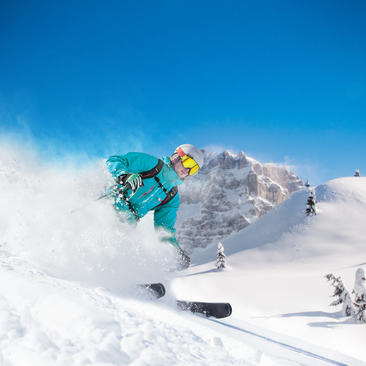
{"type": "Point", "coordinates": [284, 81]}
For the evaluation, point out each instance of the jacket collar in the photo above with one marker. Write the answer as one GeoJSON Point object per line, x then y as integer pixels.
{"type": "Point", "coordinates": [175, 177]}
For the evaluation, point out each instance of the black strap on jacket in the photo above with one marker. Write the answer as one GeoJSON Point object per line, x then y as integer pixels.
{"type": "Point", "coordinates": [152, 173]}
{"type": "Point", "coordinates": [169, 194]}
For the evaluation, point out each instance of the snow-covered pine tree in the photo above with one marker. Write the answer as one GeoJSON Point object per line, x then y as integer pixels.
{"type": "Point", "coordinates": [310, 204]}
{"type": "Point", "coordinates": [343, 296]}
{"type": "Point", "coordinates": [360, 296]}
{"type": "Point", "coordinates": [357, 173]}
{"type": "Point", "coordinates": [221, 257]}
{"type": "Point", "coordinates": [307, 184]}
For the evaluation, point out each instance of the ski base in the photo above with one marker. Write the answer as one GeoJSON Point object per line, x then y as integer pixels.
{"type": "Point", "coordinates": [208, 309]}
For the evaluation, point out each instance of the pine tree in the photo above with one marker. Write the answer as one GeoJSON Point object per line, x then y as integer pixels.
{"type": "Point", "coordinates": [360, 296]}
{"type": "Point", "coordinates": [357, 173]}
{"type": "Point", "coordinates": [343, 296]}
{"type": "Point", "coordinates": [310, 205]}
{"type": "Point", "coordinates": [221, 257]}
{"type": "Point", "coordinates": [307, 184]}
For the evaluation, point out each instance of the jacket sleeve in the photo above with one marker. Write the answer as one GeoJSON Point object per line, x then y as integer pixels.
{"type": "Point", "coordinates": [131, 162]}
{"type": "Point", "coordinates": [165, 217]}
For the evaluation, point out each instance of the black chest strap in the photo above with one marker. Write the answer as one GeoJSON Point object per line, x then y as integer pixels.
{"type": "Point", "coordinates": [169, 194]}
{"type": "Point", "coordinates": [152, 173]}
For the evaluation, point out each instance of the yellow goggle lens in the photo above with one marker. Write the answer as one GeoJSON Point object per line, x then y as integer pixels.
{"type": "Point", "coordinates": [190, 164]}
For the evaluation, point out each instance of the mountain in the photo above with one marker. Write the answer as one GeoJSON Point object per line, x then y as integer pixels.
{"type": "Point", "coordinates": [230, 192]}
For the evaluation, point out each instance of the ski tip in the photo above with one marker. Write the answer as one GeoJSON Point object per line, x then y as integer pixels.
{"type": "Point", "coordinates": [157, 290]}
{"type": "Point", "coordinates": [229, 309]}
{"type": "Point", "coordinates": [162, 289]}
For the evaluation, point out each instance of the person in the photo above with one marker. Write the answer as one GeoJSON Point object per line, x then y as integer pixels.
{"type": "Point", "coordinates": [145, 183]}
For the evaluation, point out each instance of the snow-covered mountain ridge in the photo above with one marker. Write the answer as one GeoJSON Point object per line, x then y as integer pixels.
{"type": "Point", "coordinates": [230, 192]}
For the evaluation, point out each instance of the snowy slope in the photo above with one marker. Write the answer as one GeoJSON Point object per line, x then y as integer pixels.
{"type": "Point", "coordinates": [277, 268]}
{"type": "Point", "coordinates": [47, 321]}
{"type": "Point", "coordinates": [67, 280]}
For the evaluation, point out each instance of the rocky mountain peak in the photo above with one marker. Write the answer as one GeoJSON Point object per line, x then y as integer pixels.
{"type": "Point", "coordinates": [231, 191]}
{"type": "Point", "coordinates": [225, 160]}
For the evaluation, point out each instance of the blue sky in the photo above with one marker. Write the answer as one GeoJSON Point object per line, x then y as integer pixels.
{"type": "Point", "coordinates": [284, 81]}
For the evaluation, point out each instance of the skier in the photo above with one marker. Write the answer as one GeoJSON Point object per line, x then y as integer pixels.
{"type": "Point", "coordinates": [145, 183]}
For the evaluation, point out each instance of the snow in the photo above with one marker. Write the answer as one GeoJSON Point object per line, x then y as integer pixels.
{"type": "Point", "coordinates": [278, 265]}
{"type": "Point", "coordinates": [47, 321]}
{"type": "Point", "coordinates": [67, 279]}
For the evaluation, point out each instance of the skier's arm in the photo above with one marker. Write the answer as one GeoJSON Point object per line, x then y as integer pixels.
{"type": "Point", "coordinates": [129, 163]}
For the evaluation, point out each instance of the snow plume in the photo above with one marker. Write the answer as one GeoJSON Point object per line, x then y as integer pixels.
{"type": "Point", "coordinates": [92, 244]}
{"type": "Point", "coordinates": [217, 149]}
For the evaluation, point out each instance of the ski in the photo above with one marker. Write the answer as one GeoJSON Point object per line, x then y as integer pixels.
{"type": "Point", "coordinates": [208, 309]}
{"type": "Point", "coordinates": [157, 290]}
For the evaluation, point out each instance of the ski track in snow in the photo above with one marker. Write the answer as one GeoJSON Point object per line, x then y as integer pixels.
{"type": "Point", "coordinates": [281, 344]}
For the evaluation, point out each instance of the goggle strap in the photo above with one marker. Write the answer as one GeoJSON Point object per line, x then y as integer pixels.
{"type": "Point", "coordinates": [180, 152]}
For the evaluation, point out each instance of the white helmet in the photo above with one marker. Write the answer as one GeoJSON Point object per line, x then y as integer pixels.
{"type": "Point", "coordinates": [192, 151]}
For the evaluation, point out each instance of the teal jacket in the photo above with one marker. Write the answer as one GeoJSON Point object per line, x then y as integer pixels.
{"type": "Point", "coordinates": [150, 195]}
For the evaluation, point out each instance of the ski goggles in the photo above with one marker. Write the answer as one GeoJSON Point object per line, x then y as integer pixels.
{"type": "Point", "coordinates": [188, 162]}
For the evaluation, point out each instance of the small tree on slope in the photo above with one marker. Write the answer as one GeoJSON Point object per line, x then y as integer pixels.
{"type": "Point", "coordinates": [310, 205]}
{"type": "Point", "coordinates": [343, 296]}
{"type": "Point", "coordinates": [357, 173]}
{"type": "Point", "coordinates": [221, 257]}
{"type": "Point", "coordinates": [360, 296]}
